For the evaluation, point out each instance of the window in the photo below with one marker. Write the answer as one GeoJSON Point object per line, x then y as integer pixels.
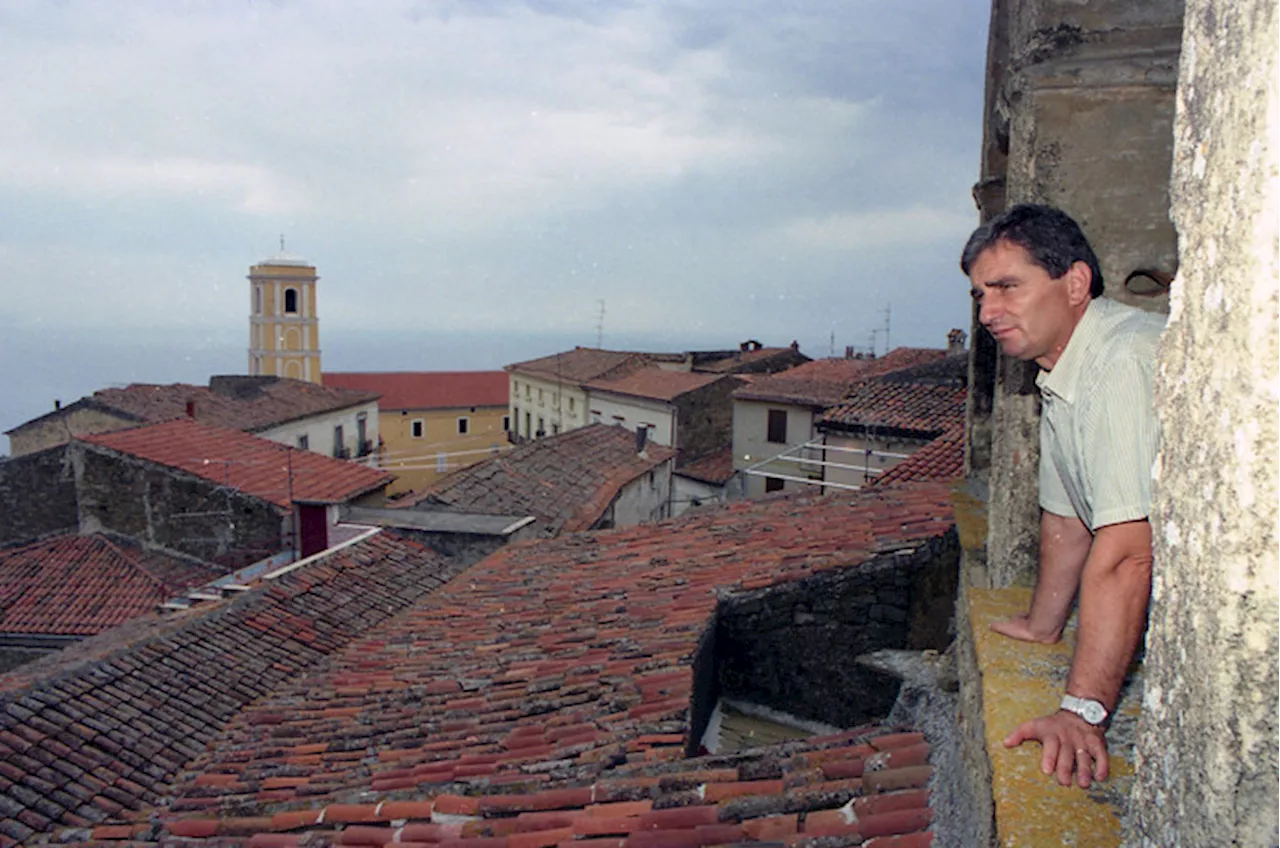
{"type": "Point", "coordinates": [571, 400]}
{"type": "Point", "coordinates": [595, 416]}
{"type": "Point", "coordinates": [257, 300]}
{"type": "Point", "coordinates": [555, 429]}
{"type": "Point", "coordinates": [542, 427]}
{"type": "Point", "coordinates": [506, 422]}
{"type": "Point", "coordinates": [528, 425]}
{"type": "Point", "coordinates": [291, 301]}
{"type": "Point", "coordinates": [339, 449]}
{"type": "Point", "coordinates": [304, 442]}
{"type": "Point", "coordinates": [777, 428]}
{"type": "Point", "coordinates": [528, 393]}
{"type": "Point", "coordinates": [442, 462]}
{"type": "Point", "coordinates": [416, 428]}
{"type": "Point", "coordinates": [362, 429]}
{"type": "Point", "coordinates": [464, 425]}
{"type": "Point", "coordinates": [774, 484]}
{"type": "Point", "coordinates": [539, 397]}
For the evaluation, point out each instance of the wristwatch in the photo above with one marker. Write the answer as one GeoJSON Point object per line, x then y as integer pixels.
{"type": "Point", "coordinates": [1087, 708]}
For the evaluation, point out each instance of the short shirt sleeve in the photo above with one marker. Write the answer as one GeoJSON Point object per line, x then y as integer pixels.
{"type": "Point", "coordinates": [1119, 440]}
{"type": "Point", "coordinates": [1053, 493]}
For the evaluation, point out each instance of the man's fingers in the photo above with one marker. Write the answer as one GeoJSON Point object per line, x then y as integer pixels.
{"type": "Point", "coordinates": [1020, 734]}
{"type": "Point", "coordinates": [1084, 768]}
{"type": "Point", "coordinates": [1101, 761]}
{"type": "Point", "coordinates": [1049, 758]}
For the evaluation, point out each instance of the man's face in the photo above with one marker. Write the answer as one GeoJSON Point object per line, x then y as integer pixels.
{"type": "Point", "coordinates": [1030, 314]}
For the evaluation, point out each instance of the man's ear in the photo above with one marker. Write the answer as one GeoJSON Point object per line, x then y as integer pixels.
{"type": "Point", "coordinates": [1079, 279]}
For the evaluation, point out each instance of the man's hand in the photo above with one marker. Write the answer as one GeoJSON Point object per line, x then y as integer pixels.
{"type": "Point", "coordinates": [1070, 744]}
{"type": "Point", "coordinates": [1021, 627]}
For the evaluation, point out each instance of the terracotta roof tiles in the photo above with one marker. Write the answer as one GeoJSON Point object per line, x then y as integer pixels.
{"type": "Point", "coordinates": [941, 459]}
{"type": "Point", "coordinates": [259, 467]}
{"type": "Point", "coordinates": [654, 383]}
{"type": "Point", "coordinates": [823, 382]}
{"type": "Point", "coordinates": [566, 481]}
{"type": "Point", "coordinates": [905, 408]}
{"type": "Point", "coordinates": [581, 365]}
{"type": "Point", "coordinates": [715, 468]}
{"type": "Point", "coordinates": [542, 697]}
{"type": "Point", "coordinates": [427, 389]}
{"type": "Point", "coordinates": [69, 585]}
{"type": "Point", "coordinates": [237, 402]}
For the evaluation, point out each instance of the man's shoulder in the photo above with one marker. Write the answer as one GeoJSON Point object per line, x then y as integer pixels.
{"type": "Point", "coordinates": [1128, 329]}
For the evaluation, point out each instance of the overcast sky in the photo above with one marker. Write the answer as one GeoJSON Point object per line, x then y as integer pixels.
{"type": "Point", "coordinates": [459, 171]}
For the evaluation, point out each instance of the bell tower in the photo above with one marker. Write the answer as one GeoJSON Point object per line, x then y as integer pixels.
{"type": "Point", "coordinates": [284, 330]}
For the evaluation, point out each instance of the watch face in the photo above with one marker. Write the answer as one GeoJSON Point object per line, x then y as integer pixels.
{"type": "Point", "coordinates": [1092, 712]}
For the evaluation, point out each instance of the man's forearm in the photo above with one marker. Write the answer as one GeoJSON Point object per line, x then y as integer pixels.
{"type": "Point", "coordinates": [1115, 589]}
{"type": "Point", "coordinates": [1064, 549]}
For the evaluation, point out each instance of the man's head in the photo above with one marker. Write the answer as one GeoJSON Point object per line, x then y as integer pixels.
{"type": "Point", "coordinates": [1034, 273]}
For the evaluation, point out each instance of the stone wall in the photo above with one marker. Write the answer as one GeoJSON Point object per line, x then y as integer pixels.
{"type": "Point", "coordinates": [79, 419]}
{"type": "Point", "coordinates": [37, 495]}
{"type": "Point", "coordinates": [1207, 767]}
{"type": "Point", "coordinates": [170, 509]}
{"type": "Point", "coordinates": [704, 419]}
{"type": "Point", "coordinates": [794, 647]}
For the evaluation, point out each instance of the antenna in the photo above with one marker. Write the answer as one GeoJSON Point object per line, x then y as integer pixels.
{"type": "Point", "coordinates": [600, 325]}
{"type": "Point", "coordinates": [886, 326]}
{"type": "Point", "coordinates": [282, 242]}
{"type": "Point", "coordinates": [832, 351]}
{"type": "Point", "coordinates": [873, 342]}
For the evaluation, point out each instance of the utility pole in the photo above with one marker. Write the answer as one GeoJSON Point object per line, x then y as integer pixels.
{"type": "Point", "coordinates": [600, 326]}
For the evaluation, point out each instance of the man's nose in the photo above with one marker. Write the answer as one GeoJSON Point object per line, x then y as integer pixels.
{"type": "Point", "coordinates": [987, 310]}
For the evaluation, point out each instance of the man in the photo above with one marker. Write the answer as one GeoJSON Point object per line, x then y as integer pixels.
{"type": "Point", "coordinates": [1038, 284]}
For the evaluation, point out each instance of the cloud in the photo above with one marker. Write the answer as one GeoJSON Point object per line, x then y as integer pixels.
{"type": "Point", "coordinates": [879, 230]}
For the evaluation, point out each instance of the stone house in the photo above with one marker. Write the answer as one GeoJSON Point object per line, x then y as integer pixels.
{"type": "Point", "coordinates": [776, 415]}
{"type": "Point", "coordinates": [334, 421]}
{"type": "Point", "coordinates": [594, 477]}
{"type": "Point", "coordinates": [208, 492]}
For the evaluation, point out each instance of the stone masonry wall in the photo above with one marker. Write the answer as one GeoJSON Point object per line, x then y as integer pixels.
{"type": "Point", "coordinates": [173, 510]}
{"type": "Point", "coordinates": [75, 420]}
{"type": "Point", "coordinates": [705, 419]}
{"type": "Point", "coordinates": [1206, 769]}
{"type": "Point", "coordinates": [37, 495]}
{"type": "Point", "coordinates": [794, 647]}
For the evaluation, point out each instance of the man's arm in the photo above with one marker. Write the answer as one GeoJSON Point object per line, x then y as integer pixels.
{"type": "Point", "coordinates": [1115, 589]}
{"type": "Point", "coordinates": [1064, 547]}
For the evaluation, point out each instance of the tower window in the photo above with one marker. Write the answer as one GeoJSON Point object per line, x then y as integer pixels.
{"type": "Point", "coordinates": [291, 301]}
{"type": "Point", "coordinates": [257, 300]}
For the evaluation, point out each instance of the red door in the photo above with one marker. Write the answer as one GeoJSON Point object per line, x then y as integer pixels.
{"type": "Point", "coordinates": [313, 529]}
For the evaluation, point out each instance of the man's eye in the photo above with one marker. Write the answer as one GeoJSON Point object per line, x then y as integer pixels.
{"type": "Point", "coordinates": [975, 294]}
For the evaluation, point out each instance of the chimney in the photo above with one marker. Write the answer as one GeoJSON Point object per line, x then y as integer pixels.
{"type": "Point", "coordinates": [795, 346]}
{"type": "Point", "coordinates": [191, 409]}
{"type": "Point", "coordinates": [57, 404]}
{"type": "Point", "coordinates": [848, 351]}
{"type": "Point", "coordinates": [955, 341]}
{"type": "Point", "coordinates": [742, 346]}
{"type": "Point", "coordinates": [642, 438]}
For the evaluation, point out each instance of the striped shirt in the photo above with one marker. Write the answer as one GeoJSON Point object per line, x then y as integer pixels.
{"type": "Point", "coordinates": [1098, 432]}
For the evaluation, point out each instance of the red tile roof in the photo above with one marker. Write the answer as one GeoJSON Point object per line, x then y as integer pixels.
{"type": "Point", "coordinates": [654, 383]}
{"type": "Point", "coordinates": [427, 389]}
{"type": "Point", "coordinates": [69, 585]}
{"type": "Point", "coordinates": [235, 401]}
{"type": "Point", "coordinates": [581, 365]}
{"type": "Point", "coordinates": [715, 468]}
{"type": "Point", "coordinates": [941, 459]}
{"type": "Point", "coordinates": [906, 408]}
{"type": "Point", "coordinates": [264, 469]}
{"type": "Point", "coordinates": [823, 382]}
{"type": "Point", "coordinates": [749, 360]}
{"type": "Point", "coordinates": [541, 697]}
{"type": "Point", "coordinates": [567, 481]}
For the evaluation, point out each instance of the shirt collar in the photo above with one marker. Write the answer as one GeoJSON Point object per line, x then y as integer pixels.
{"type": "Point", "coordinates": [1065, 376]}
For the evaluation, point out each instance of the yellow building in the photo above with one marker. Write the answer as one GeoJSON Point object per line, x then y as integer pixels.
{"type": "Point", "coordinates": [284, 329]}
{"type": "Point", "coordinates": [432, 423]}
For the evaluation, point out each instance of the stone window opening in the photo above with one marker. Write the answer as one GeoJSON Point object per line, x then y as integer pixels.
{"type": "Point", "coordinates": [291, 301]}
{"type": "Point", "coordinates": [777, 427]}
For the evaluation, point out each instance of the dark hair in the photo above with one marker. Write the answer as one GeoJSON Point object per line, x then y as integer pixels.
{"type": "Point", "coordinates": [1050, 236]}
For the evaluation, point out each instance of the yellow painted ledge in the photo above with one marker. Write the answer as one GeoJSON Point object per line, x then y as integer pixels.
{"type": "Point", "coordinates": [1021, 681]}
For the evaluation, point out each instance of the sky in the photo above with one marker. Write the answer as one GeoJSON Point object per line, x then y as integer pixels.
{"type": "Point", "coordinates": [477, 182]}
